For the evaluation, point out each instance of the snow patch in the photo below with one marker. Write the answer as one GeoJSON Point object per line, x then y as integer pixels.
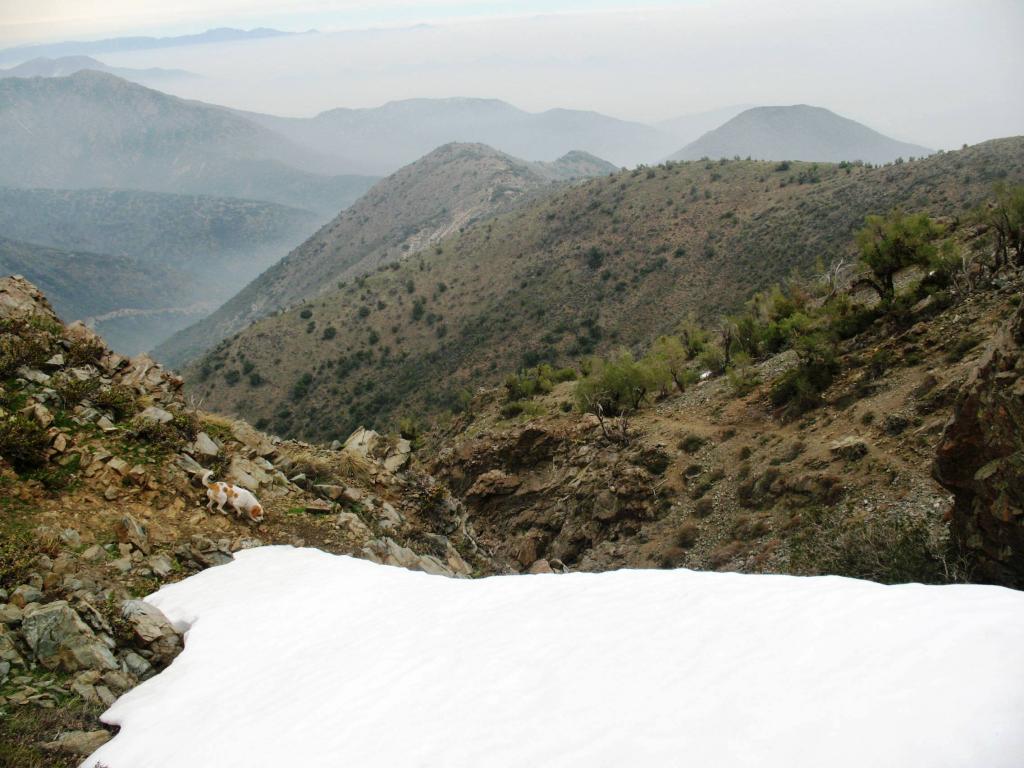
{"type": "Point", "coordinates": [295, 657]}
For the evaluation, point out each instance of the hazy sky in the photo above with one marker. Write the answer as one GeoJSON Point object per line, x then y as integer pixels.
{"type": "Point", "coordinates": [938, 72]}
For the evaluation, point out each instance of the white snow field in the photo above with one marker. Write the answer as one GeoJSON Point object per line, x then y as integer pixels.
{"type": "Point", "coordinates": [295, 658]}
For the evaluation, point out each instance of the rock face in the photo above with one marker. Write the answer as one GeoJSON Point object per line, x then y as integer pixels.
{"type": "Point", "coordinates": [981, 460]}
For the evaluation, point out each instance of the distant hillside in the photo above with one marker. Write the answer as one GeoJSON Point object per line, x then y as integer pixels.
{"type": "Point", "coordinates": [438, 195]}
{"type": "Point", "coordinates": [610, 262]}
{"type": "Point", "coordinates": [121, 44]}
{"type": "Point", "coordinates": [213, 238]}
{"type": "Point", "coordinates": [69, 65]}
{"type": "Point", "coordinates": [82, 284]}
{"type": "Point", "coordinates": [96, 130]}
{"type": "Point", "coordinates": [575, 165]}
{"type": "Point", "coordinates": [383, 139]}
{"type": "Point", "coordinates": [797, 133]}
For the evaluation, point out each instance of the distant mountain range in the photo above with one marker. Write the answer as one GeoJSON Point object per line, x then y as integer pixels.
{"type": "Point", "coordinates": [382, 139]}
{"type": "Point", "coordinates": [122, 44]}
{"type": "Point", "coordinates": [92, 129]}
{"type": "Point", "coordinates": [441, 194]}
{"type": "Point", "coordinates": [798, 132]}
{"type": "Point", "coordinates": [69, 65]}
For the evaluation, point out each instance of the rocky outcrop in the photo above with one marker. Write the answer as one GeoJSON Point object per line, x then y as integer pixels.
{"type": "Point", "coordinates": [59, 639]}
{"type": "Point", "coordinates": [980, 459]}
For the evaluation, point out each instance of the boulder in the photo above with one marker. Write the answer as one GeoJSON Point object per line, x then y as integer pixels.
{"type": "Point", "coordinates": [154, 415]}
{"type": "Point", "coordinates": [204, 445]}
{"type": "Point", "coordinates": [389, 552]}
{"type": "Point", "coordinates": [153, 630]}
{"type": "Point", "coordinates": [136, 666]}
{"type": "Point", "coordinates": [24, 594]}
{"type": "Point", "coordinates": [247, 473]}
{"type": "Point", "coordinates": [850, 448]}
{"type": "Point", "coordinates": [363, 443]}
{"type": "Point", "coordinates": [351, 525]}
{"type": "Point", "coordinates": [77, 742]}
{"type": "Point", "coordinates": [980, 459]}
{"type": "Point", "coordinates": [120, 466]}
{"type": "Point", "coordinates": [160, 565]}
{"type": "Point", "coordinates": [39, 413]}
{"type": "Point", "coordinates": [59, 639]}
{"type": "Point", "coordinates": [10, 614]}
{"type": "Point", "coordinates": [251, 439]}
{"type": "Point", "coordinates": [332, 492]}
{"type": "Point", "coordinates": [318, 507]}
{"type": "Point", "coordinates": [389, 517]}
{"type": "Point", "coordinates": [9, 652]}
{"type": "Point", "coordinates": [494, 482]}
{"type": "Point", "coordinates": [130, 531]}
{"type": "Point", "coordinates": [398, 455]}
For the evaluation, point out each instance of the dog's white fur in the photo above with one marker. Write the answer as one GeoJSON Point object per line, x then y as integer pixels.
{"type": "Point", "coordinates": [239, 498]}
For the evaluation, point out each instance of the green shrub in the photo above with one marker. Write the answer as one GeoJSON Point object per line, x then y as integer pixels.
{"type": "Point", "coordinates": [182, 428]}
{"type": "Point", "coordinates": [891, 548]}
{"type": "Point", "coordinates": [686, 534]}
{"type": "Point", "coordinates": [26, 346]}
{"type": "Point", "coordinates": [72, 390]}
{"type": "Point", "coordinates": [510, 410]}
{"type": "Point", "coordinates": [800, 388]}
{"type": "Point", "coordinates": [300, 390]}
{"type": "Point", "coordinates": [23, 443]}
{"type": "Point", "coordinates": [118, 399]}
{"type": "Point", "coordinates": [961, 347]}
{"type": "Point", "coordinates": [85, 352]}
{"type": "Point", "coordinates": [692, 443]}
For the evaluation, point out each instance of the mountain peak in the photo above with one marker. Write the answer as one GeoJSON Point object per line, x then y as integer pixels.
{"type": "Point", "coordinates": [797, 132]}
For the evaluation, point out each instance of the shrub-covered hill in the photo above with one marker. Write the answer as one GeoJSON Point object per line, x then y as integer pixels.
{"type": "Point", "coordinates": [611, 262]}
{"type": "Point", "coordinates": [436, 196]}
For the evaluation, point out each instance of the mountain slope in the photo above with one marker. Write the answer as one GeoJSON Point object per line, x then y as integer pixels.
{"type": "Point", "coordinates": [385, 138]}
{"type": "Point", "coordinates": [610, 262]}
{"type": "Point", "coordinates": [95, 130]}
{"type": "Point", "coordinates": [69, 65]}
{"type": "Point", "coordinates": [448, 190]}
{"type": "Point", "coordinates": [799, 132]}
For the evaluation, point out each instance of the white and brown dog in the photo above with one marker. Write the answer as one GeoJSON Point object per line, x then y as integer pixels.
{"type": "Point", "coordinates": [241, 500]}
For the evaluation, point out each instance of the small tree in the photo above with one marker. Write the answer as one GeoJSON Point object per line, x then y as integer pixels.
{"type": "Point", "coordinates": [671, 356]}
{"type": "Point", "coordinates": [1006, 219]}
{"type": "Point", "coordinates": [616, 385]}
{"type": "Point", "coordinates": [891, 243]}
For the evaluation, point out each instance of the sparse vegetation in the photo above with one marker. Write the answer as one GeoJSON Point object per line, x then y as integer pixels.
{"type": "Point", "coordinates": [23, 442]}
